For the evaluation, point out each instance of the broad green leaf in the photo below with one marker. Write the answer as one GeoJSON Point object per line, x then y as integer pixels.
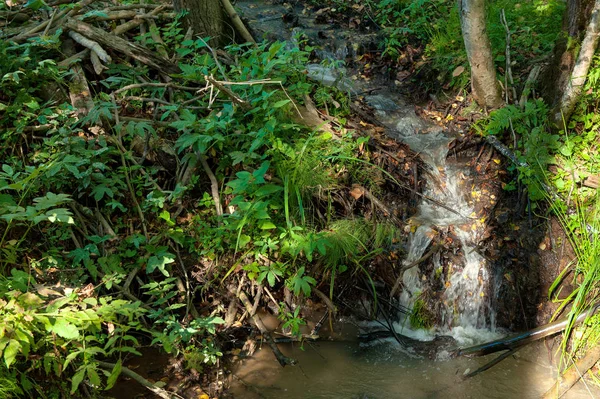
{"type": "Point", "coordinates": [280, 104]}
{"type": "Point", "coordinates": [64, 329]}
{"type": "Point", "coordinates": [114, 374]}
{"type": "Point", "coordinates": [11, 351]}
{"type": "Point", "coordinates": [159, 262]}
{"type": "Point", "coordinates": [77, 379]}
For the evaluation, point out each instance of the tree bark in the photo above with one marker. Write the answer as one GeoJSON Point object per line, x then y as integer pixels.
{"type": "Point", "coordinates": [574, 85]}
{"type": "Point", "coordinates": [484, 84]}
{"type": "Point", "coordinates": [557, 74]}
{"type": "Point", "coordinates": [205, 17]}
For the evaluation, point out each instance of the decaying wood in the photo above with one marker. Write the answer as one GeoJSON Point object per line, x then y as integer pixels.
{"type": "Point", "coordinates": [573, 374]}
{"type": "Point", "coordinates": [592, 181]}
{"type": "Point", "coordinates": [79, 90]}
{"type": "Point", "coordinates": [119, 44]}
{"type": "Point", "coordinates": [92, 45]}
{"type": "Point", "coordinates": [534, 74]}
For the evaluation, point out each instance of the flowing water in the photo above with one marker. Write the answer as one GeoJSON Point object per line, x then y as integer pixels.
{"type": "Point", "coordinates": [386, 370]}
{"type": "Point", "coordinates": [466, 304]}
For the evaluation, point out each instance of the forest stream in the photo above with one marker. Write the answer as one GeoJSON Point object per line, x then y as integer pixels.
{"type": "Point", "coordinates": [467, 307]}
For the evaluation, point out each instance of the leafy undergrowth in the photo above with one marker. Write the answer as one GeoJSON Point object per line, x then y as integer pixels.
{"type": "Point", "coordinates": [132, 220]}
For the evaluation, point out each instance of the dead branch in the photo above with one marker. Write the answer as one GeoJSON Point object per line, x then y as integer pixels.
{"type": "Point", "coordinates": [281, 358]}
{"type": "Point", "coordinates": [404, 268]}
{"type": "Point", "coordinates": [508, 77]}
{"type": "Point", "coordinates": [162, 393]}
{"type": "Point", "coordinates": [214, 184]}
{"type": "Point", "coordinates": [326, 300]}
{"type": "Point", "coordinates": [92, 45]}
{"type": "Point", "coordinates": [524, 338]}
{"type": "Point", "coordinates": [119, 44]}
{"type": "Point", "coordinates": [491, 364]}
{"type": "Point", "coordinates": [237, 22]}
{"type": "Point", "coordinates": [573, 374]}
{"type": "Point", "coordinates": [531, 80]}
{"type": "Point", "coordinates": [155, 84]}
{"type": "Point", "coordinates": [138, 20]}
{"type": "Point", "coordinates": [234, 97]}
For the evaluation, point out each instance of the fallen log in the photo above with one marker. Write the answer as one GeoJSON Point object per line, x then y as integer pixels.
{"type": "Point", "coordinates": [517, 340]}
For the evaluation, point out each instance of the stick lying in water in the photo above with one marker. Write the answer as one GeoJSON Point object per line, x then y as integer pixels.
{"type": "Point", "coordinates": [423, 258]}
{"type": "Point", "coordinates": [517, 340]}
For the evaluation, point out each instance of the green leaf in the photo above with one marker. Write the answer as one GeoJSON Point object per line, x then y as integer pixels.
{"type": "Point", "coordinates": [64, 329]}
{"type": "Point", "coordinates": [114, 374]}
{"type": "Point", "coordinates": [280, 104]}
{"type": "Point", "coordinates": [93, 376]}
{"type": "Point", "coordinates": [50, 200]}
{"type": "Point", "coordinates": [77, 379]}
{"type": "Point", "coordinates": [8, 169]}
{"type": "Point", "coordinates": [101, 190]}
{"type": "Point", "coordinates": [266, 225]}
{"type": "Point", "coordinates": [267, 189]}
{"type": "Point", "coordinates": [11, 351]}
{"type": "Point", "coordinates": [244, 240]}
{"type": "Point", "coordinates": [35, 4]}
{"type": "Point", "coordinates": [159, 262]}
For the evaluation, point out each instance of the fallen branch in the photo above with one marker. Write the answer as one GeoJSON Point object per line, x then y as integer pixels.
{"type": "Point", "coordinates": [504, 150]}
{"type": "Point", "coordinates": [237, 22]}
{"type": "Point", "coordinates": [404, 268]}
{"type": "Point", "coordinates": [517, 340]}
{"type": "Point", "coordinates": [162, 393]}
{"type": "Point", "coordinates": [573, 374]}
{"type": "Point", "coordinates": [138, 20]}
{"type": "Point", "coordinates": [92, 45]}
{"type": "Point", "coordinates": [281, 358]}
{"type": "Point", "coordinates": [214, 184]}
{"type": "Point", "coordinates": [234, 97]}
{"type": "Point", "coordinates": [491, 364]}
{"type": "Point", "coordinates": [330, 305]}
{"type": "Point", "coordinates": [531, 80]}
{"type": "Point", "coordinates": [119, 44]}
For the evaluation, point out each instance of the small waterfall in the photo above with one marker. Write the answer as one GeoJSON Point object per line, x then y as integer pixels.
{"type": "Point", "coordinates": [465, 302]}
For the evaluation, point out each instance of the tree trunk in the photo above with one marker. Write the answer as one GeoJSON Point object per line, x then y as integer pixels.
{"type": "Point", "coordinates": [558, 73]}
{"type": "Point", "coordinates": [484, 85]}
{"type": "Point", "coordinates": [205, 17]}
{"type": "Point", "coordinates": [574, 86]}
